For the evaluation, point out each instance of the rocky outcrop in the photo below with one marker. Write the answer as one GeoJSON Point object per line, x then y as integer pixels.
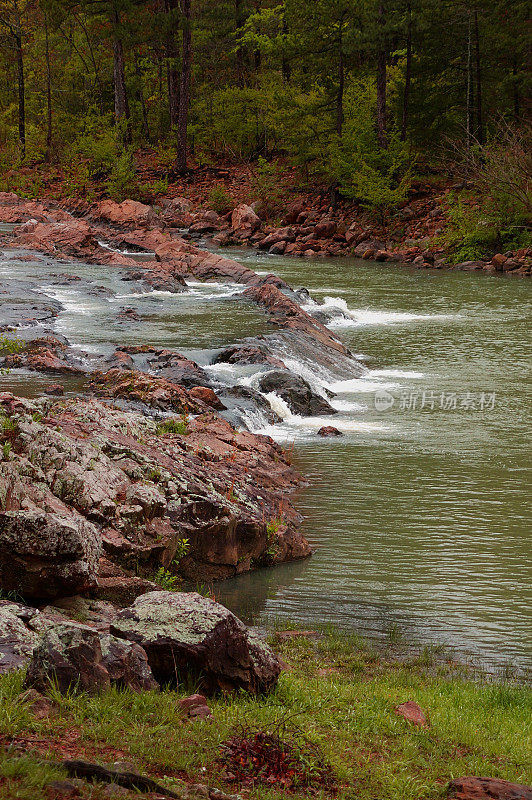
{"type": "Point", "coordinates": [247, 354]}
{"type": "Point", "coordinates": [296, 393]}
{"type": "Point", "coordinates": [244, 220]}
{"type": "Point", "coordinates": [16, 639]}
{"type": "Point", "coordinates": [97, 499]}
{"type": "Point", "coordinates": [470, 788]}
{"type": "Point", "coordinates": [187, 635]}
{"type": "Point", "coordinates": [286, 313]}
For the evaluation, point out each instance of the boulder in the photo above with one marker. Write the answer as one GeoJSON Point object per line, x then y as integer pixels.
{"type": "Point", "coordinates": [130, 213]}
{"type": "Point", "coordinates": [296, 392]}
{"type": "Point", "coordinates": [325, 229]}
{"type": "Point", "coordinates": [471, 788]}
{"type": "Point", "coordinates": [244, 218]}
{"type": "Point", "coordinates": [498, 261]}
{"type": "Point", "coordinates": [187, 635]}
{"type": "Point", "coordinates": [207, 396]}
{"type": "Point", "coordinates": [68, 656]}
{"type": "Point", "coordinates": [329, 430]}
{"type": "Point", "coordinates": [127, 664]}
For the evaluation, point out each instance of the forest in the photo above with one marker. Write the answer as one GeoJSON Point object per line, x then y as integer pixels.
{"type": "Point", "coordinates": [358, 98]}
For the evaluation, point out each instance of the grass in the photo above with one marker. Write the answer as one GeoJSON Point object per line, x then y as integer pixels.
{"type": "Point", "coordinates": [338, 692]}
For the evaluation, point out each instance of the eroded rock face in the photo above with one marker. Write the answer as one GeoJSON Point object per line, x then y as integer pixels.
{"type": "Point", "coordinates": [187, 634]}
{"type": "Point", "coordinates": [16, 640]}
{"type": "Point", "coordinates": [127, 664]}
{"type": "Point", "coordinates": [296, 392]}
{"type": "Point", "coordinates": [130, 213]}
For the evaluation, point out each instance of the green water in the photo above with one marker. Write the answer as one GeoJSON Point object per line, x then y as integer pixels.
{"type": "Point", "coordinates": [420, 515]}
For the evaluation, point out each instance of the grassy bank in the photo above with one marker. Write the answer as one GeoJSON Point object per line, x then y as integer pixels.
{"type": "Point", "coordinates": [334, 705]}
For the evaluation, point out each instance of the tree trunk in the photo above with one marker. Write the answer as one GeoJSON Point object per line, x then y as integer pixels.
{"type": "Point", "coordinates": [119, 77]}
{"type": "Point", "coordinates": [408, 73]}
{"type": "Point", "coordinates": [21, 95]}
{"type": "Point", "coordinates": [516, 97]}
{"type": "Point", "coordinates": [172, 62]}
{"type": "Point", "coordinates": [341, 85]}
{"type": "Point", "coordinates": [184, 89]}
{"type": "Point", "coordinates": [381, 79]}
{"type": "Point", "coordinates": [480, 129]}
{"type": "Point", "coordinates": [285, 63]}
{"type": "Point", "coordinates": [142, 102]}
{"type": "Point", "coordinates": [240, 64]}
{"type": "Point", "coordinates": [469, 88]}
{"type": "Point", "coordinates": [48, 91]}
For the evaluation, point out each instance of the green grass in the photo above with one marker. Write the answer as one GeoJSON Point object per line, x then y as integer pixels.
{"type": "Point", "coordinates": [338, 691]}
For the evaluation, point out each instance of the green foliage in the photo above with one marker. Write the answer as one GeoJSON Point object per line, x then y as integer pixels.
{"type": "Point", "coordinates": [174, 425]}
{"type": "Point", "coordinates": [95, 149]}
{"type": "Point", "coordinates": [167, 580]}
{"type": "Point", "coordinates": [8, 346]}
{"type": "Point", "coordinates": [476, 229]}
{"type": "Point", "coordinates": [219, 200]}
{"type": "Point", "coordinates": [123, 181]}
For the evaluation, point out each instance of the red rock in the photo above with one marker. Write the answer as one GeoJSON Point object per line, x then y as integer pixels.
{"type": "Point", "coordinates": [195, 706]}
{"type": "Point", "coordinates": [207, 396]}
{"type": "Point", "coordinates": [471, 788]}
{"type": "Point", "coordinates": [498, 260]}
{"type": "Point", "coordinates": [413, 713]}
{"type": "Point", "coordinates": [325, 229]}
{"type": "Point", "coordinates": [382, 255]}
{"type": "Point", "coordinates": [128, 214]}
{"type": "Point", "coordinates": [329, 430]}
{"type": "Point", "coordinates": [55, 388]}
{"type": "Point", "coordinates": [368, 254]}
{"type": "Point", "coordinates": [243, 217]}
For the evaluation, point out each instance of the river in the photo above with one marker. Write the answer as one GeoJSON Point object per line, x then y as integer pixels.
{"type": "Point", "coordinates": [420, 511]}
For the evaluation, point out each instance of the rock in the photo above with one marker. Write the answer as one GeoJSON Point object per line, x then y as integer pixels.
{"type": "Point", "coordinates": [177, 368]}
{"type": "Point", "coordinates": [207, 396]}
{"type": "Point", "coordinates": [247, 354]}
{"type": "Point", "coordinates": [329, 430]}
{"type": "Point", "coordinates": [128, 214]}
{"type": "Point", "coordinates": [63, 790]}
{"type": "Point", "coordinates": [70, 656]}
{"type": "Point", "coordinates": [244, 218]}
{"type": "Point", "coordinates": [244, 403]}
{"type": "Point", "coordinates": [185, 634]}
{"type": "Point", "coordinates": [498, 261]}
{"type": "Point", "coordinates": [413, 713]}
{"type": "Point", "coordinates": [277, 249]}
{"type": "Point", "coordinates": [151, 390]}
{"type": "Point", "coordinates": [195, 706]}
{"type": "Point", "coordinates": [127, 664]}
{"type": "Point", "coordinates": [471, 788]}
{"type": "Point", "coordinates": [16, 640]}
{"type": "Point", "coordinates": [75, 238]}
{"type": "Point", "coordinates": [325, 229]}
{"type": "Point", "coordinates": [41, 707]}
{"type": "Point", "coordinates": [279, 235]}
{"type": "Point", "coordinates": [54, 389]}
{"type": "Point", "coordinates": [296, 392]}
{"type": "Point", "coordinates": [45, 553]}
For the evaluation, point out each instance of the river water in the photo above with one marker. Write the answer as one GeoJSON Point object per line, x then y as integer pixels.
{"type": "Point", "coordinates": [420, 511]}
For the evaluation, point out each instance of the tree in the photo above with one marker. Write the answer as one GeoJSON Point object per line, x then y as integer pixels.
{"type": "Point", "coordinates": [12, 16]}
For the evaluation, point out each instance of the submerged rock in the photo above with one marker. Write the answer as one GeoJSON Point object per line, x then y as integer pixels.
{"type": "Point", "coordinates": [185, 634]}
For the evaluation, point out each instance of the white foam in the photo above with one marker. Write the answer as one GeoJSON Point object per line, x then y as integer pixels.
{"type": "Point", "coordinates": [355, 317]}
{"type": "Point", "coordinates": [396, 373]}
{"type": "Point", "coordinates": [311, 425]}
{"type": "Point", "coordinates": [360, 385]}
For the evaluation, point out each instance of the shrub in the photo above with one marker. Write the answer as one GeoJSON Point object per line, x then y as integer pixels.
{"type": "Point", "coordinates": [174, 425]}
{"type": "Point", "coordinates": [123, 182]}
{"type": "Point", "coordinates": [219, 200]}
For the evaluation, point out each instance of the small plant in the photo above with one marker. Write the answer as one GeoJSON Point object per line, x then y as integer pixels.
{"type": "Point", "coordinates": [166, 580]}
{"type": "Point", "coordinates": [6, 451]}
{"type": "Point", "coordinates": [183, 548]}
{"type": "Point", "coordinates": [219, 200]}
{"type": "Point", "coordinates": [8, 346]}
{"type": "Point", "coordinates": [174, 425]}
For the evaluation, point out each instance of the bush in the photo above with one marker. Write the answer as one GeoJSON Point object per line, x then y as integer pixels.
{"type": "Point", "coordinates": [268, 187]}
{"type": "Point", "coordinates": [123, 182]}
{"type": "Point", "coordinates": [219, 200]}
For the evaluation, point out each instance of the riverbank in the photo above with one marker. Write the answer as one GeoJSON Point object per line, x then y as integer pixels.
{"type": "Point", "coordinates": [334, 710]}
{"type": "Point", "coordinates": [433, 229]}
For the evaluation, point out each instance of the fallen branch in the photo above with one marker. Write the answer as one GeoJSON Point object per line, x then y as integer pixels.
{"type": "Point", "coordinates": [129, 780]}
